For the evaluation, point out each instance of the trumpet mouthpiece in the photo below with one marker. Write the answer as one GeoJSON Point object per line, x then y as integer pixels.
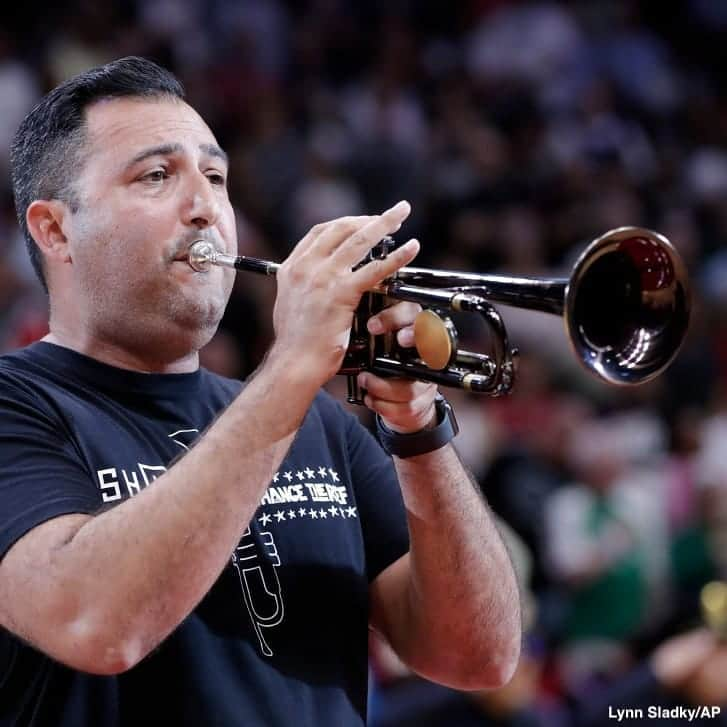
{"type": "Point", "coordinates": [201, 256]}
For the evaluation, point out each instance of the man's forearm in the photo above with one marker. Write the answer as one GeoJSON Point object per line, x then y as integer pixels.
{"type": "Point", "coordinates": [461, 601]}
{"type": "Point", "coordinates": [138, 569]}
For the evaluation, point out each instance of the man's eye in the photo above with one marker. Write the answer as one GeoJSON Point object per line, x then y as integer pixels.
{"type": "Point", "coordinates": [158, 175]}
{"type": "Point", "coordinates": [217, 178]}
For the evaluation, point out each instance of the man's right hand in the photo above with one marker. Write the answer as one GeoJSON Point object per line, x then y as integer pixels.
{"type": "Point", "coordinates": [318, 289]}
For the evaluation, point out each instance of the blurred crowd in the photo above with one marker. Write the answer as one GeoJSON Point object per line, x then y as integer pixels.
{"type": "Point", "coordinates": [519, 131]}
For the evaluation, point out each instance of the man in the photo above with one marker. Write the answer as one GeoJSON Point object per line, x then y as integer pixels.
{"type": "Point", "coordinates": [235, 589]}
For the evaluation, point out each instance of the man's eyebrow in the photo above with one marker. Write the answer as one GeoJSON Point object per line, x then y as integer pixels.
{"type": "Point", "coordinates": [169, 149]}
{"type": "Point", "coordinates": [153, 151]}
{"type": "Point", "coordinates": [214, 151]}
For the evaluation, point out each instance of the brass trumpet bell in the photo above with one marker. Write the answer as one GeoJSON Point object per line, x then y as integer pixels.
{"type": "Point", "coordinates": [627, 305]}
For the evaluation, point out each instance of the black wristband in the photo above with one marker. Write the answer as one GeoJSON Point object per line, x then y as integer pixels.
{"type": "Point", "coordinates": [410, 445]}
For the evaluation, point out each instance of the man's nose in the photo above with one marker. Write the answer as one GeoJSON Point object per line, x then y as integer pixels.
{"type": "Point", "coordinates": [202, 207]}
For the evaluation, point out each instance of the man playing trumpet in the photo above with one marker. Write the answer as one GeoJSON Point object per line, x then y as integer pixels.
{"type": "Point", "coordinates": [179, 548]}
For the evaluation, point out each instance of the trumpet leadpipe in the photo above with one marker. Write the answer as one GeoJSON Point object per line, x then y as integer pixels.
{"type": "Point", "coordinates": [203, 255]}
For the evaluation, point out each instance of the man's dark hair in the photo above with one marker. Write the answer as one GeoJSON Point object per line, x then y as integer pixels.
{"type": "Point", "coordinates": [46, 152]}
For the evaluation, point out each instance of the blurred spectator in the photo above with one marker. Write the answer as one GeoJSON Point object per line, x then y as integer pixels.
{"type": "Point", "coordinates": [606, 543]}
{"type": "Point", "coordinates": [19, 90]}
{"type": "Point", "coordinates": [681, 679]}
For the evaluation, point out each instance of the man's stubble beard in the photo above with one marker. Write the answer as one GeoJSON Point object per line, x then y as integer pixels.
{"type": "Point", "coordinates": [149, 319]}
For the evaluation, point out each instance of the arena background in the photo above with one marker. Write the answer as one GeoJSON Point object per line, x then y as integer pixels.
{"type": "Point", "coordinates": [519, 132]}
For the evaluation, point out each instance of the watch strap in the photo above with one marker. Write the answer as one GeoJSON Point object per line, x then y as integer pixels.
{"type": "Point", "coordinates": [427, 440]}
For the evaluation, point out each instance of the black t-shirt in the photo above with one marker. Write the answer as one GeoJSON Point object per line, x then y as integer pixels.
{"type": "Point", "coordinates": [281, 638]}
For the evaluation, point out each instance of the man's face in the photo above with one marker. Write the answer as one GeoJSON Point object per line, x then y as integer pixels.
{"type": "Point", "coordinates": [152, 180]}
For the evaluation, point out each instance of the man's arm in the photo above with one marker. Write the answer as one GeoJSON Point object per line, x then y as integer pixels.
{"type": "Point", "coordinates": [450, 608]}
{"type": "Point", "coordinates": [99, 593]}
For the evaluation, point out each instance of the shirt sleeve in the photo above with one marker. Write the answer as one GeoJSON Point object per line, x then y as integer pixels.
{"type": "Point", "coordinates": [41, 473]}
{"type": "Point", "coordinates": [378, 497]}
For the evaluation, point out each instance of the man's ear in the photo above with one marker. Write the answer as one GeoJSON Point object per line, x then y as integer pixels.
{"type": "Point", "coordinates": [45, 219]}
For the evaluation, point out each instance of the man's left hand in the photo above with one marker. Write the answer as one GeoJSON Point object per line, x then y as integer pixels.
{"type": "Point", "coordinates": [405, 405]}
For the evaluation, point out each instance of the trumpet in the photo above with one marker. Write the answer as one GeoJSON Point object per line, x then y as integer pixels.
{"type": "Point", "coordinates": [625, 308]}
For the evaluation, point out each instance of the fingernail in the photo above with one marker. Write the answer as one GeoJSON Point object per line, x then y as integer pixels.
{"type": "Point", "coordinates": [401, 206]}
{"type": "Point", "coordinates": [362, 380]}
{"type": "Point", "coordinates": [406, 337]}
{"type": "Point", "coordinates": [375, 326]}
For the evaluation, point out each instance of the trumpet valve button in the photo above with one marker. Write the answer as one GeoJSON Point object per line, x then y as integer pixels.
{"type": "Point", "coordinates": [435, 338]}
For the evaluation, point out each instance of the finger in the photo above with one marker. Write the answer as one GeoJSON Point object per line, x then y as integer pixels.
{"type": "Point", "coordinates": [329, 234]}
{"type": "Point", "coordinates": [369, 275]}
{"type": "Point", "coordinates": [396, 389]}
{"type": "Point", "coordinates": [405, 337]}
{"type": "Point", "coordinates": [413, 415]}
{"type": "Point", "coordinates": [339, 230]}
{"type": "Point", "coordinates": [355, 247]}
{"type": "Point", "coordinates": [400, 315]}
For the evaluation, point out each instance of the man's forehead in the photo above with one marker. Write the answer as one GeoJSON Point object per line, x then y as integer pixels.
{"type": "Point", "coordinates": [134, 123]}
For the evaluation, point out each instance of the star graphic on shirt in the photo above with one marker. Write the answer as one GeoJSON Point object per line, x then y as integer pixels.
{"type": "Point", "coordinates": [323, 472]}
{"type": "Point", "coordinates": [351, 512]}
{"type": "Point", "coordinates": [275, 477]}
{"type": "Point", "coordinates": [314, 514]}
{"type": "Point", "coordinates": [292, 514]}
{"type": "Point", "coordinates": [334, 475]}
{"type": "Point", "coordinates": [265, 519]}
{"type": "Point", "coordinates": [309, 472]}
{"type": "Point", "coordinates": [322, 513]}
{"type": "Point", "coordinates": [288, 476]}
{"type": "Point", "coordinates": [300, 475]}
{"type": "Point", "coordinates": [302, 512]}
{"type": "Point", "coordinates": [333, 510]}
{"type": "Point", "coordinates": [279, 515]}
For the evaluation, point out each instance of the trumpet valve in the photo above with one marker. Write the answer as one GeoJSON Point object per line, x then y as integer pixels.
{"type": "Point", "coordinates": [435, 338]}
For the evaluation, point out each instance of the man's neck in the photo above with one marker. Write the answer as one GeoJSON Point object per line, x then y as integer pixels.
{"type": "Point", "coordinates": [124, 358]}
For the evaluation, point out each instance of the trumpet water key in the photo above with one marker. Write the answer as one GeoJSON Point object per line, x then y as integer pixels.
{"type": "Point", "coordinates": [625, 307]}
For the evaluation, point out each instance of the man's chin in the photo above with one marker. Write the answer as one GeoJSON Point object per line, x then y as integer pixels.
{"type": "Point", "coordinates": [195, 320]}
{"type": "Point", "coordinates": [198, 317]}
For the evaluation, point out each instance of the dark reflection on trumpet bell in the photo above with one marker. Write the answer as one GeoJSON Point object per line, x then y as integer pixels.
{"type": "Point", "coordinates": [608, 302]}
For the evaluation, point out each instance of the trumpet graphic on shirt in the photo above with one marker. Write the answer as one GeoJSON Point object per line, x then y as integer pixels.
{"type": "Point", "coordinates": [259, 582]}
